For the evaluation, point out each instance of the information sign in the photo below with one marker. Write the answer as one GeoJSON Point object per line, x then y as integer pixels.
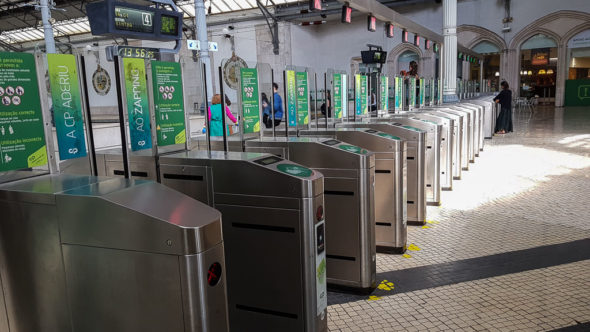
{"type": "Point", "coordinates": [383, 91]}
{"type": "Point", "coordinates": [364, 95]}
{"type": "Point", "coordinates": [291, 98]}
{"type": "Point", "coordinates": [344, 86]}
{"type": "Point", "coordinates": [22, 136]}
{"type": "Point", "coordinates": [137, 104]}
{"type": "Point", "coordinates": [337, 82]}
{"type": "Point", "coordinates": [67, 105]}
{"type": "Point", "coordinates": [168, 103]}
{"type": "Point", "coordinates": [302, 98]}
{"type": "Point", "coordinates": [136, 20]}
{"type": "Point", "coordinates": [421, 92]}
{"type": "Point", "coordinates": [250, 100]}
{"type": "Point", "coordinates": [412, 93]}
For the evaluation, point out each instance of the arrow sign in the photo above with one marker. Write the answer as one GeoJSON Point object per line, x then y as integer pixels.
{"type": "Point", "coordinates": [193, 44]}
{"type": "Point", "coordinates": [213, 47]}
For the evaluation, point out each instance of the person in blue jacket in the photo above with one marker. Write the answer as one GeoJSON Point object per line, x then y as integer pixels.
{"type": "Point", "coordinates": [278, 107]}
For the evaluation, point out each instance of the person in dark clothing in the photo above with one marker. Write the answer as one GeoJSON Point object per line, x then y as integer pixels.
{"type": "Point", "coordinates": [504, 121]}
{"type": "Point", "coordinates": [329, 103]}
{"type": "Point", "coordinates": [278, 107]}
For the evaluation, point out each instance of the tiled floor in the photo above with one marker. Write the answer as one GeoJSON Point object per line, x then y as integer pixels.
{"type": "Point", "coordinates": [509, 249]}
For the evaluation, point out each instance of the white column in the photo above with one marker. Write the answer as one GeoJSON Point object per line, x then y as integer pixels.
{"type": "Point", "coordinates": [449, 74]}
{"type": "Point", "coordinates": [201, 26]}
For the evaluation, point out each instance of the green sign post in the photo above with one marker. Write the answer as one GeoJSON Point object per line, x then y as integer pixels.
{"type": "Point", "coordinates": [250, 100]}
{"type": "Point", "coordinates": [168, 103]}
{"type": "Point", "coordinates": [302, 98]}
{"type": "Point", "coordinates": [422, 92]}
{"type": "Point", "coordinates": [137, 104]}
{"type": "Point", "coordinates": [337, 82]}
{"type": "Point", "coordinates": [398, 93]}
{"type": "Point", "coordinates": [357, 95]}
{"type": "Point", "coordinates": [291, 98]}
{"type": "Point", "coordinates": [364, 95]}
{"type": "Point", "coordinates": [383, 92]}
{"type": "Point", "coordinates": [344, 93]}
{"type": "Point", "coordinates": [67, 105]}
{"type": "Point", "coordinates": [22, 135]}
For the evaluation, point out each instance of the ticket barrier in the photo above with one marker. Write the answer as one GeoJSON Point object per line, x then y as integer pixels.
{"type": "Point", "coordinates": [432, 154]}
{"type": "Point", "coordinates": [479, 117]}
{"type": "Point", "coordinates": [489, 118]}
{"type": "Point", "coordinates": [447, 138]}
{"type": "Point", "coordinates": [466, 148]}
{"type": "Point", "coordinates": [474, 130]}
{"type": "Point", "coordinates": [83, 253]}
{"type": "Point", "coordinates": [273, 230]}
{"type": "Point", "coordinates": [416, 165]}
{"type": "Point", "coordinates": [457, 138]}
{"type": "Point", "coordinates": [349, 189]}
{"type": "Point", "coordinates": [390, 182]}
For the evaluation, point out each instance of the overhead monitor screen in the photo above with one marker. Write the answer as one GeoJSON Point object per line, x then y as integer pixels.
{"type": "Point", "coordinates": [169, 25]}
{"type": "Point", "coordinates": [136, 20]}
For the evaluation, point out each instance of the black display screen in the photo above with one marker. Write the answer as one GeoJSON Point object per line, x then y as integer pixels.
{"type": "Point", "coordinates": [130, 19]}
{"type": "Point", "coordinates": [268, 160]}
{"type": "Point", "coordinates": [331, 142]}
{"type": "Point", "coordinates": [169, 25]}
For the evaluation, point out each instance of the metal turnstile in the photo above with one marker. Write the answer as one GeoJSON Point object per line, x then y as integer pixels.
{"type": "Point", "coordinates": [489, 117]}
{"type": "Point", "coordinates": [416, 166]}
{"type": "Point", "coordinates": [82, 253]}
{"type": "Point", "coordinates": [473, 145]}
{"type": "Point", "coordinates": [466, 148]}
{"type": "Point", "coordinates": [457, 138]}
{"type": "Point", "coordinates": [432, 154]}
{"type": "Point", "coordinates": [390, 182]}
{"type": "Point", "coordinates": [349, 185]}
{"type": "Point", "coordinates": [447, 138]}
{"type": "Point", "coordinates": [273, 230]}
{"type": "Point", "coordinates": [479, 117]}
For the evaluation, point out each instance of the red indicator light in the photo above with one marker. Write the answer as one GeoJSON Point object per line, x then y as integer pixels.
{"type": "Point", "coordinates": [389, 30]}
{"type": "Point", "coordinates": [371, 23]}
{"type": "Point", "coordinates": [319, 213]}
{"type": "Point", "coordinates": [416, 40]}
{"type": "Point", "coordinates": [405, 36]}
{"type": "Point", "coordinates": [346, 14]}
{"type": "Point", "coordinates": [214, 274]}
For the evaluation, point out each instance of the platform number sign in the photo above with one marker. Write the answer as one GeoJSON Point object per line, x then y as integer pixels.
{"type": "Point", "coordinates": [371, 23]}
{"type": "Point", "coordinates": [389, 30]}
{"type": "Point", "coordinates": [346, 14]}
{"type": "Point", "coordinates": [315, 5]}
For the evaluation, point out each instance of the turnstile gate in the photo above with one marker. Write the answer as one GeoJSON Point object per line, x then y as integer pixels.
{"type": "Point", "coordinates": [273, 230]}
{"type": "Point", "coordinates": [467, 141]}
{"type": "Point", "coordinates": [82, 253]}
{"type": "Point", "coordinates": [415, 157]}
{"type": "Point", "coordinates": [349, 181]}
{"type": "Point", "coordinates": [489, 118]}
{"type": "Point", "coordinates": [479, 116]}
{"type": "Point", "coordinates": [473, 132]}
{"type": "Point", "coordinates": [432, 154]}
{"type": "Point", "coordinates": [390, 181]}
{"type": "Point", "coordinates": [457, 138]}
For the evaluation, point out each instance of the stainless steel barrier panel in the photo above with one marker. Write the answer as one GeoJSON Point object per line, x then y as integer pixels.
{"type": "Point", "coordinates": [349, 181]}
{"type": "Point", "coordinates": [447, 138]}
{"type": "Point", "coordinates": [466, 134]}
{"type": "Point", "coordinates": [489, 118]}
{"type": "Point", "coordinates": [107, 254]}
{"type": "Point", "coordinates": [432, 154]}
{"type": "Point", "coordinates": [474, 130]}
{"type": "Point", "coordinates": [480, 123]}
{"type": "Point", "coordinates": [457, 138]}
{"type": "Point", "coordinates": [273, 229]}
{"type": "Point", "coordinates": [469, 157]}
{"type": "Point", "coordinates": [390, 182]}
{"type": "Point", "coordinates": [416, 166]}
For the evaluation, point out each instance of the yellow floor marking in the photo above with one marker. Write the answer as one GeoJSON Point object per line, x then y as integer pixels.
{"type": "Point", "coordinates": [413, 247]}
{"type": "Point", "coordinates": [374, 298]}
{"type": "Point", "coordinates": [432, 222]}
{"type": "Point", "coordinates": [407, 256]}
{"type": "Point", "coordinates": [386, 285]}
{"type": "Point", "coordinates": [425, 227]}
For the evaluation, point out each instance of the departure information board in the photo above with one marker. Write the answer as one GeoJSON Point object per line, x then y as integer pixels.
{"type": "Point", "coordinates": [134, 19]}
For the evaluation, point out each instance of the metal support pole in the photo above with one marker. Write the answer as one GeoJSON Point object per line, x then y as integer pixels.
{"type": "Point", "coordinates": [47, 28]}
{"type": "Point", "coordinates": [326, 98]}
{"type": "Point", "coordinates": [206, 102]}
{"type": "Point", "coordinates": [315, 85]}
{"type": "Point", "coordinates": [89, 129]}
{"type": "Point", "coordinates": [272, 103]}
{"type": "Point", "coordinates": [201, 26]}
{"type": "Point", "coordinates": [354, 92]}
{"type": "Point", "coordinates": [222, 109]}
{"type": "Point", "coordinates": [121, 118]}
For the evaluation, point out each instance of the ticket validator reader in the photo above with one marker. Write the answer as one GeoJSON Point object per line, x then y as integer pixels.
{"type": "Point", "coordinates": [390, 181]}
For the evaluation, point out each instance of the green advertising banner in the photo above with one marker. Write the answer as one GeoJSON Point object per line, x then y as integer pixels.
{"type": "Point", "coordinates": [22, 135]}
{"type": "Point", "coordinates": [577, 93]}
{"type": "Point", "coordinates": [337, 83]}
{"type": "Point", "coordinates": [412, 93]}
{"type": "Point", "coordinates": [432, 92]}
{"type": "Point", "coordinates": [168, 103]}
{"type": "Point", "coordinates": [364, 94]}
{"type": "Point", "coordinates": [422, 90]}
{"type": "Point", "coordinates": [357, 95]}
{"type": "Point", "coordinates": [250, 100]}
{"type": "Point", "coordinates": [137, 104]}
{"type": "Point", "coordinates": [383, 92]}
{"type": "Point", "coordinates": [291, 98]}
{"type": "Point", "coordinates": [302, 98]}
{"type": "Point", "coordinates": [398, 93]}
{"type": "Point", "coordinates": [67, 105]}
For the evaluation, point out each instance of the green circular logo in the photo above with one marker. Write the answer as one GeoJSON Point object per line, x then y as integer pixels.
{"type": "Point", "coordinates": [352, 148]}
{"type": "Point", "coordinates": [295, 170]}
{"type": "Point", "coordinates": [389, 136]}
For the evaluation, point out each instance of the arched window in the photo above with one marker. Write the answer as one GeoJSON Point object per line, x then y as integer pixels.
{"type": "Point", "coordinates": [538, 68]}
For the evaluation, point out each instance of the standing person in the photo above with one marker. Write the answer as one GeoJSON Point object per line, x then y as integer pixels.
{"type": "Point", "coordinates": [327, 105]}
{"type": "Point", "coordinates": [373, 102]}
{"type": "Point", "coordinates": [278, 107]}
{"type": "Point", "coordinates": [265, 108]}
{"type": "Point", "coordinates": [504, 121]}
{"type": "Point", "coordinates": [215, 116]}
